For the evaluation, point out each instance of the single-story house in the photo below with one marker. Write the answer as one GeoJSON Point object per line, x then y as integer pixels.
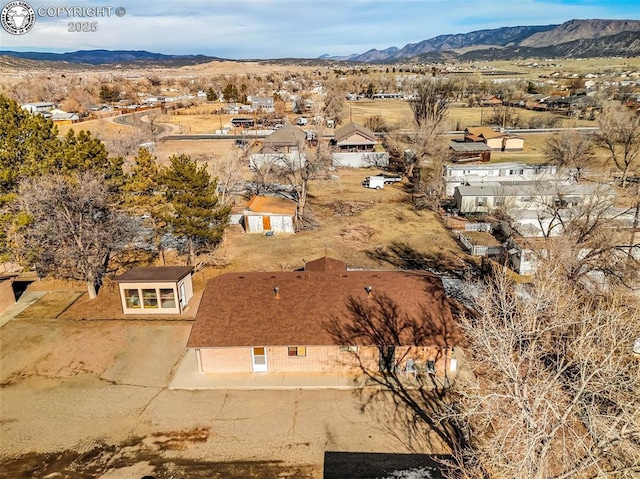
{"type": "Point", "coordinates": [484, 196]}
{"type": "Point", "coordinates": [354, 147]}
{"type": "Point", "coordinates": [283, 321]}
{"type": "Point", "coordinates": [267, 213]}
{"type": "Point", "coordinates": [486, 135]}
{"type": "Point", "coordinates": [503, 173]}
{"type": "Point", "coordinates": [38, 107]}
{"type": "Point", "coordinates": [61, 117]}
{"type": "Point", "coordinates": [494, 139]}
{"type": "Point", "coordinates": [287, 139]}
{"type": "Point", "coordinates": [491, 101]}
{"type": "Point", "coordinates": [155, 289]}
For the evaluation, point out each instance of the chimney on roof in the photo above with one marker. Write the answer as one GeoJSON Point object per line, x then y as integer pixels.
{"type": "Point", "coordinates": [276, 290]}
{"type": "Point", "coordinates": [368, 289]}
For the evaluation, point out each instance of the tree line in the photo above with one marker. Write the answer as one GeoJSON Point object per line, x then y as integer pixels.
{"type": "Point", "coordinates": [67, 207]}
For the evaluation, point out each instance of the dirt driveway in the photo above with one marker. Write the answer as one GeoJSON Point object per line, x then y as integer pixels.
{"type": "Point", "coordinates": [89, 399]}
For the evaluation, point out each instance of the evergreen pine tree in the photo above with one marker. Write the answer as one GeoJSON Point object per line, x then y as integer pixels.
{"type": "Point", "coordinates": [195, 212]}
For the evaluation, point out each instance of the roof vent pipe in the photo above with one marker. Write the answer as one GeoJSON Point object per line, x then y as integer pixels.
{"type": "Point", "coordinates": [276, 290]}
{"type": "Point", "coordinates": [368, 289]}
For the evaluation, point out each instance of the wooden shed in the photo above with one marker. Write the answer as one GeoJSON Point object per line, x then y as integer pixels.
{"type": "Point", "coordinates": [155, 289]}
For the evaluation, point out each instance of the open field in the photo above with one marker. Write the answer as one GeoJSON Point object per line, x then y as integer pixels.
{"type": "Point", "coordinates": [367, 228]}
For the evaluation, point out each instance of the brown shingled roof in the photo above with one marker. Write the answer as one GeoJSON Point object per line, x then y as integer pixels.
{"type": "Point", "coordinates": [241, 309]}
{"type": "Point", "coordinates": [288, 135]}
{"type": "Point", "coordinates": [325, 263]}
{"type": "Point", "coordinates": [154, 274]}
{"type": "Point", "coordinates": [484, 132]}
{"type": "Point", "coordinates": [350, 128]}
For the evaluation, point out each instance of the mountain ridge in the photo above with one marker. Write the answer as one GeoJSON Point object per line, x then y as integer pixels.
{"type": "Point", "coordinates": [574, 39]}
{"type": "Point", "coordinates": [513, 42]}
{"type": "Point", "coordinates": [106, 57]}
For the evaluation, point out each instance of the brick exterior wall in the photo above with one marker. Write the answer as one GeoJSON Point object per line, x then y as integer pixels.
{"type": "Point", "coordinates": [317, 359]}
{"type": "Point", "coordinates": [7, 297]}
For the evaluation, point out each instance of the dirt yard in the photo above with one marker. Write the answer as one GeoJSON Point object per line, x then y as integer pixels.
{"type": "Point", "coordinates": [84, 391]}
{"type": "Point", "coordinates": [89, 399]}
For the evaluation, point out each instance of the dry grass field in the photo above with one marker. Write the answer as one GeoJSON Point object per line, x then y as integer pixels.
{"type": "Point", "coordinates": [367, 228]}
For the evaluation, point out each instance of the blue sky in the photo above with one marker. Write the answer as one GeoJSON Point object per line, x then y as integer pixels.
{"type": "Point", "coordinates": [247, 29]}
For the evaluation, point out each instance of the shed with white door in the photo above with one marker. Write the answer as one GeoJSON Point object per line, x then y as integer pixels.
{"type": "Point", "coordinates": [267, 213]}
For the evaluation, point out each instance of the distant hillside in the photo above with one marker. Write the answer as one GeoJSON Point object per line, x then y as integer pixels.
{"type": "Point", "coordinates": [111, 57]}
{"type": "Point", "coordinates": [575, 38]}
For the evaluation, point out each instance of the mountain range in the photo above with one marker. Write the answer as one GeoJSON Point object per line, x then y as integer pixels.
{"type": "Point", "coordinates": [572, 39]}
{"type": "Point", "coordinates": [113, 57]}
{"type": "Point", "coordinates": [575, 39]}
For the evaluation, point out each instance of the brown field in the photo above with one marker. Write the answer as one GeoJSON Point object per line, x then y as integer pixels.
{"type": "Point", "coordinates": [377, 229]}
{"type": "Point", "coordinates": [103, 128]}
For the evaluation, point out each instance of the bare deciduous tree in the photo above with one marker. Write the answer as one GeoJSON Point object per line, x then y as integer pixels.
{"type": "Point", "coordinates": [620, 136]}
{"type": "Point", "coordinates": [570, 149]}
{"type": "Point", "coordinates": [228, 171]}
{"type": "Point", "coordinates": [431, 100]}
{"type": "Point", "coordinates": [71, 230]}
{"type": "Point", "coordinates": [592, 244]}
{"type": "Point", "coordinates": [557, 385]}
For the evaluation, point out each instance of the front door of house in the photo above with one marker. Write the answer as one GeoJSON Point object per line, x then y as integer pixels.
{"type": "Point", "coordinates": [266, 223]}
{"type": "Point", "coordinates": [259, 359]}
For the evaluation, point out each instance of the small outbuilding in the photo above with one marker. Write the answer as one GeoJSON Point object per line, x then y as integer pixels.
{"type": "Point", "coordinates": [267, 213]}
{"type": "Point", "coordinates": [155, 289]}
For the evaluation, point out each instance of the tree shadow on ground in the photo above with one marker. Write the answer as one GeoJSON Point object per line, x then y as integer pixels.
{"type": "Point", "coordinates": [403, 256]}
{"type": "Point", "coordinates": [419, 413]}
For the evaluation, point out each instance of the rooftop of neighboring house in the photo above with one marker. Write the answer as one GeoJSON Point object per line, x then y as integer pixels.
{"type": "Point", "coordinates": [485, 132]}
{"type": "Point", "coordinates": [349, 129]}
{"type": "Point", "coordinates": [289, 135]}
{"type": "Point", "coordinates": [297, 308]}
{"type": "Point", "coordinates": [497, 166]}
{"type": "Point", "coordinates": [460, 146]}
{"type": "Point", "coordinates": [533, 188]}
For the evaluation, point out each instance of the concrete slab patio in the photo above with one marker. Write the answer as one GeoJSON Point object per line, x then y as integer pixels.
{"type": "Point", "coordinates": [188, 377]}
{"type": "Point", "coordinates": [26, 300]}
